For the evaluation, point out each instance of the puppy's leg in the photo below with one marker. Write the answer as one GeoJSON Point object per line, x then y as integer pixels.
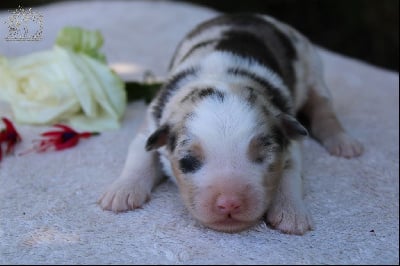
{"type": "Point", "coordinates": [287, 211]}
{"type": "Point", "coordinates": [326, 128]}
{"type": "Point", "coordinates": [324, 124]}
{"type": "Point", "coordinates": [139, 175]}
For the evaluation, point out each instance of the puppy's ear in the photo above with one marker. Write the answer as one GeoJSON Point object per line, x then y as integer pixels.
{"type": "Point", "coordinates": [159, 138]}
{"type": "Point", "coordinates": [291, 127]}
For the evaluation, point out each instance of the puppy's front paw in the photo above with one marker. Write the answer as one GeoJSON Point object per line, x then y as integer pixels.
{"type": "Point", "coordinates": [289, 219]}
{"type": "Point", "coordinates": [343, 145]}
{"type": "Point", "coordinates": [123, 195]}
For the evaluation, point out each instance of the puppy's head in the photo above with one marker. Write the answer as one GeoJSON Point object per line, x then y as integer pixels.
{"type": "Point", "coordinates": [227, 156]}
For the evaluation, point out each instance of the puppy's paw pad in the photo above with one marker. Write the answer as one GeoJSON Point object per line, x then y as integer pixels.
{"type": "Point", "coordinates": [343, 145]}
{"type": "Point", "coordinates": [121, 197]}
{"type": "Point", "coordinates": [295, 221]}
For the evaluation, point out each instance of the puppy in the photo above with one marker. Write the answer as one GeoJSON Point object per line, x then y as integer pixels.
{"type": "Point", "coordinates": [224, 127]}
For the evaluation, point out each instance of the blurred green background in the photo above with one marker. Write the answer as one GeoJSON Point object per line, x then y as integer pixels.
{"type": "Point", "coordinates": [364, 29]}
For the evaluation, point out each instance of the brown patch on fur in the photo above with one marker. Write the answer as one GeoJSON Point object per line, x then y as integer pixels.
{"type": "Point", "coordinates": [186, 187]}
{"type": "Point", "coordinates": [273, 167]}
{"type": "Point", "coordinates": [256, 150]}
{"type": "Point", "coordinates": [288, 164]}
{"type": "Point", "coordinates": [265, 111]}
{"type": "Point", "coordinates": [273, 176]}
{"type": "Point", "coordinates": [263, 146]}
{"type": "Point", "coordinates": [322, 118]}
{"type": "Point", "coordinates": [185, 183]}
{"type": "Point", "coordinates": [197, 150]}
{"type": "Point", "coordinates": [251, 95]}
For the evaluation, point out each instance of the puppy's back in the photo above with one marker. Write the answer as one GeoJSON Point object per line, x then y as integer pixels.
{"type": "Point", "coordinates": [261, 38]}
{"type": "Point", "coordinates": [240, 50]}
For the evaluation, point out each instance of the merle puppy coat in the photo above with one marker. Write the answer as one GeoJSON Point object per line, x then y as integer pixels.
{"type": "Point", "coordinates": [224, 127]}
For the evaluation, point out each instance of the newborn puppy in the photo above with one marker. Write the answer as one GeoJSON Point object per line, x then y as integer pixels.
{"type": "Point", "coordinates": [224, 127]}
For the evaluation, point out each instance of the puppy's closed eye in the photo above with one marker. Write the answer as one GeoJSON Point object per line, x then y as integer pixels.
{"type": "Point", "coordinates": [189, 164]}
{"type": "Point", "coordinates": [259, 148]}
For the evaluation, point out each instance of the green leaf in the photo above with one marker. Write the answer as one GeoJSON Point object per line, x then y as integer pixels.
{"type": "Point", "coordinates": [80, 40]}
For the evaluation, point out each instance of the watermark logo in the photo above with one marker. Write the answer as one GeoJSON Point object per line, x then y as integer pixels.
{"type": "Point", "coordinates": [24, 25]}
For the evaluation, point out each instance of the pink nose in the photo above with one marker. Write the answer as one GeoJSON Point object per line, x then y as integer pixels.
{"type": "Point", "coordinates": [228, 204]}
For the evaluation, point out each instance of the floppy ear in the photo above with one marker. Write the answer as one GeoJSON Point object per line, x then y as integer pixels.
{"type": "Point", "coordinates": [158, 138]}
{"type": "Point", "coordinates": [291, 127]}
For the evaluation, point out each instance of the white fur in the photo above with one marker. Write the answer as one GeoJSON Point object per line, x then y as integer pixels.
{"type": "Point", "coordinates": [213, 73]}
{"type": "Point", "coordinates": [288, 212]}
{"type": "Point", "coordinates": [139, 175]}
{"type": "Point", "coordinates": [225, 130]}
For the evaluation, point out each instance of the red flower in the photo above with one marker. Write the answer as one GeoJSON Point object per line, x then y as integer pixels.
{"type": "Point", "coordinates": [10, 136]}
{"type": "Point", "coordinates": [60, 140]}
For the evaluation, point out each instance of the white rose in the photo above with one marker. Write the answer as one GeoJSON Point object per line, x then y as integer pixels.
{"type": "Point", "coordinates": [63, 85]}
